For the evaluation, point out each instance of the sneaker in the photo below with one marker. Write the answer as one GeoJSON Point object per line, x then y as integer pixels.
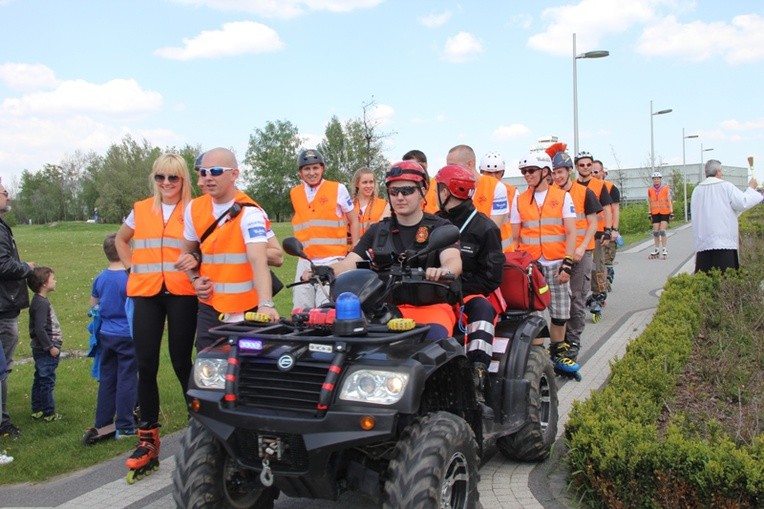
{"type": "Point", "coordinates": [52, 417]}
{"type": "Point", "coordinates": [125, 433]}
{"type": "Point", "coordinates": [37, 416]}
{"type": "Point", "coordinates": [4, 458]}
{"type": "Point", "coordinates": [9, 430]}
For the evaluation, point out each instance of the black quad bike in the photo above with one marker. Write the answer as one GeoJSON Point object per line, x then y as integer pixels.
{"type": "Point", "coordinates": [351, 397]}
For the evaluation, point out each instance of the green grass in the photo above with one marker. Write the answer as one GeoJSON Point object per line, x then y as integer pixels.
{"type": "Point", "coordinates": [45, 450]}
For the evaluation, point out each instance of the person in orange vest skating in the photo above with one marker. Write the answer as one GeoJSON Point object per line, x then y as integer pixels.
{"type": "Point", "coordinates": [543, 219]}
{"type": "Point", "coordinates": [409, 227]}
{"type": "Point", "coordinates": [492, 165]}
{"type": "Point", "coordinates": [323, 214]}
{"type": "Point", "coordinates": [661, 206]}
{"type": "Point", "coordinates": [228, 233]}
{"type": "Point", "coordinates": [600, 172]}
{"type": "Point", "coordinates": [369, 207]}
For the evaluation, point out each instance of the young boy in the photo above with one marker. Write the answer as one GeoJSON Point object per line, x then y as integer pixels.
{"type": "Point", "coordinates": [45, 331]}
{"type": "Point", "coordinates": [117, 390]}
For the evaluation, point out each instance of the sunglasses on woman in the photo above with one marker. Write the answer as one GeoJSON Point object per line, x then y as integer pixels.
{"type": "Point", "coordinates": [159, 178]}
{"type": "Point", "coordinates": [215, 171]}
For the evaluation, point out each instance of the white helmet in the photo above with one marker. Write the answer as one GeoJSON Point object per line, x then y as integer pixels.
{"type": "Point", "coordinates": [537, 159]}
{"type": "Point", "coordinates": [492, 162]}
{"type": "Point", "coordinates": [657, 175]}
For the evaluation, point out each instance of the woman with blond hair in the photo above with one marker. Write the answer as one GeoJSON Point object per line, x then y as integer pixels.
{"type": "Point", "coordinates": [369, 207]}
{"type": "Point", "coordinates": [159, 291]}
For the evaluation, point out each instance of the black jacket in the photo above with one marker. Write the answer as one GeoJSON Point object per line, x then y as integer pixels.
{"type": "Point", "coordinates": [482, 255]}
{"type": "Point", "coordinates": [13, 274]}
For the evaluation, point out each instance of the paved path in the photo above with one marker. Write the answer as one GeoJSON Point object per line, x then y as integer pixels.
{"type": "Point", "coordinates": [504, 484]}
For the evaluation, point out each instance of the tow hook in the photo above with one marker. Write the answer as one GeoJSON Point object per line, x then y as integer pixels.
{"type": "Point", "coordinates": [269, 447]}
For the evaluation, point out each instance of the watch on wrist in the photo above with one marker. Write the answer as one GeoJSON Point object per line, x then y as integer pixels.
{"type": "Point", "coordinates": [267, 304]}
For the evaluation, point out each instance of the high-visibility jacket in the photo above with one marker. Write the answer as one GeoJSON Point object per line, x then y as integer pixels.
{"type": "Point", "coordinates": [224, 257]}
{"type": "Point", "coordinates": [596, 186]}
{"type": "Point", "coordinates": [660, 200]}
{"type": "Point", "coordinates": [371, 215]}
{"type": "Point", "coordinates": [316, 224]}
{"type": "Point", "coordinates": [485, 188]}
{"type": "Point", "coordinates": [156, 247]}
{"type": "Point", "coordinates": [507, 242]}
{"type": "Point", "coordinates": [542, 232]}
{"type": "Point", "coordinates": [577, 193]}
{"type": "Point", "coordinates": [430, 204]}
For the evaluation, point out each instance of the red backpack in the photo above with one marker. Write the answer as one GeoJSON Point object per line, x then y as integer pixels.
{"type": "Point", "coordinates": [523, 285]}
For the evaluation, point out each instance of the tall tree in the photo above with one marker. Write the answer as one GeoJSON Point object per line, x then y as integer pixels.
{"type": "Point", "coordinates": [271, 157]}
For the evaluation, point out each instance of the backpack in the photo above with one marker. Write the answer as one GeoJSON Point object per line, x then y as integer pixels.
{"type": "Point", "coordinates": [523, 285]}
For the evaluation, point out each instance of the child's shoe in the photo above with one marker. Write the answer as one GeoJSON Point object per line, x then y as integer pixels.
{"type": "Point", "coordinates": [52, 417]}
{"type": "Point", "coordinates": [125, 433]}
{"type": "Point", "coordinates": [9, 430]}
{"type": "Point", "coordinates": [37, 416]}
{"type": "Point", "coordinates": [4, 458]}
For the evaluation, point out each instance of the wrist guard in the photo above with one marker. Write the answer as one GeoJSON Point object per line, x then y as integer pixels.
{"type": "Point", "coordinates": [567, 266]}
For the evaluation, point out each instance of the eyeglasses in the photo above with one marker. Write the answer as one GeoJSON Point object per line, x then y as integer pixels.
{"type": "Point", "coordinates": [215, 171]}
{"type": "Point", "coordinates": [159, 178]}
{"type": "Point", "coordinates": [595, 172]}
{"type": "Point", "coordinates": [404, 190]}
{"type": "Point", "coordinates": [529, 171]}
{"type": "Point", "coordinates": [584, 165]}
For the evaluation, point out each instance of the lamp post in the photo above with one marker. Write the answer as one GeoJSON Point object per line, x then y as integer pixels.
{"type": "Point", "coordinates": [652, 143]}
{"type": "Point", "coordinates": [702, 173]}
{"type": "Point", "coordinates": [684, 170]}
{"type": "Point", "coordinates": [588, 54]}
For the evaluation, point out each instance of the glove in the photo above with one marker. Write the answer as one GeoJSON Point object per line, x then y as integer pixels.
{"type": "Point", "coordinates": [567, 266]}
{"type": "Point", "coordinates": [671, 216]}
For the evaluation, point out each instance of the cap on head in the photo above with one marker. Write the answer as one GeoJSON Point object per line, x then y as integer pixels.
{"type": "Point", "coordinates": [657, 175]}
{"type": "Point", "coordinates": [492, 162]}
{"type": "Point", "coordinates": [459, 180]}
{"type": "Point", "coordinates": [407, 170]}
{"type": "Point", "coordinates": [310, 156]}
{"type": "Point", "coordinates": [583, 155]}
{"type": "Point", "coordinates": [537, 160]}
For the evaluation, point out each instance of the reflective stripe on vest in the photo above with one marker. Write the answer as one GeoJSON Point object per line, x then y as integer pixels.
{"type": "Point", "coordinates": [507, 242]}
{"type": "Point", "coordinates": [156, 248]}
{"type": "Point", "coordinates": [542, 232]}
{"type": "Point", "coordinates": [316, 224]}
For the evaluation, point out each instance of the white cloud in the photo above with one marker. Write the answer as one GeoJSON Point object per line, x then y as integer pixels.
{"type": "Point", "coordinates": [590, 20]}
{"type": "Point", "coordinates": [236, 38]}
{"type": "Point", "coordinates": [740, 41]}
{"type": "Point", "coordinates": [737, 125]}
{"type": "Point", "coordinates": [461, 47]}
{"type": "Point", "coordinates": [118, 96]}
{"type": "Point", "coordinates": [381, 114]}
{"type": "Point", "coordinates": [435, 20]}
{"type": "Point", "coordinates": [509, 132]}
{"type": "Point", "coordinates": [522, 20]}
{"type": "Point", "coordinates": [310, 140]}
{"type": "Point", "coordinates": [27, 76]}
{"type": "Point", "coordinates": [282, 8]}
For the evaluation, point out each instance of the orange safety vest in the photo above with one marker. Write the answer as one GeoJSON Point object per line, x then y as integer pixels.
{"type": "Point", "coordinates": [577, 193]}
{"type": "Point", "coordinates": [316, 224]}
{"type": "Point", "coordinates": [660, 200]}
{"type": "Point", "coordinates": [371, 215]}
{"type": "Point", "coordinates": [596, 186]}
{"type": "Point", "coordinates": [485, 188]}
{"type": "Point", "coordinates": [542, 232]}
{"type": "Point", "coordinates": [224, 258]}
{"type": "Point", "coordinates": [431, 198]}
{"type": "Point", "coordinates": [156, 247]}
{"type": "Point", "coordinates": [507, 242]}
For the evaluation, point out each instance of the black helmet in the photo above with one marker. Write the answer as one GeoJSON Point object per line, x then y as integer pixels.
{"type": "Point", "coordinates": [310, 156]}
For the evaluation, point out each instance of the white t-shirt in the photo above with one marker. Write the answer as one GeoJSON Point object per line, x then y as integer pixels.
{"type": "Point", "coordinates": [568, 211]}
{"type": "Point", "coordinates": [500, 205]}
{"type": "Point", "coordinates": [344, 206]}
{"type": "Point", "coordinates": [253, 222]}
{"type": "Point", "coordinates": [167, 211]}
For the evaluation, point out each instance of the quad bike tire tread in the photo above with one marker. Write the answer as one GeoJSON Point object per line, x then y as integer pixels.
{"type": "Point", "coordinates": [198, 477]}
{"type": "Point", "coordinates": [532, 442]}
{"type": "Point", "coordinates": [415, 475]}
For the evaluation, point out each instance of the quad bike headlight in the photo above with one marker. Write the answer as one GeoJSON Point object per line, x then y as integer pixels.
{"type": "Point", "coordinates": [210, 373]}
{"type": "Point", "coordinates": [374, 386]}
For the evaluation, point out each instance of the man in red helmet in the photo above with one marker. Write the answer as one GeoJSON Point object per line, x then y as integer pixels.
{"type": "Point", "coordinates": [409, 227]}
{"type": "Point", "coordinates": [482, 264]}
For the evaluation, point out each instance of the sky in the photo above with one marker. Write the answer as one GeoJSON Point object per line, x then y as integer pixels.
{"type": "Point", "coordinates": [77, 76]}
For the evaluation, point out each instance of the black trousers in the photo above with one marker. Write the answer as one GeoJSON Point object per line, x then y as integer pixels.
{"type": "Point", "coordinates": [721, 259]}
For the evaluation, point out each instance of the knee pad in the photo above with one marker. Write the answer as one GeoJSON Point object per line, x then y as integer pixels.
{"type": "Point", "coordinates": [662, 233]}
{"type": "Point", "coordinates": [559, 321]}
{"type": "Point", "coordinates": [656, 233]}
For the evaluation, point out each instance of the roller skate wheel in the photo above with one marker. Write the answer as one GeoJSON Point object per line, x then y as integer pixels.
{"type": "Point", "coordinates": [577, 376]}
{"type": "Point", "coordinates": [131, 477]}
{"type": "Point", "coordinates": [596, 317]}
{"type": "Point", "coordinates": [87, 438]}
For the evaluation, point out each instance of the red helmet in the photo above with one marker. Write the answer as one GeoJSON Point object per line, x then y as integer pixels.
{"type": "Point", "coordinates": [407, 170]}
{"type": "Point", "coordinates": [458, 179]}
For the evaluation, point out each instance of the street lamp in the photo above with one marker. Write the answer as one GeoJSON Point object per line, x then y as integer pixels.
{"type": "Point", "coordinates": [588, 54]}
{"type": "Point", "coordinates": [702, 173]}
{"type": "Point", "coordinates": [652, 144]}
{"type": "Point", "coordinates": [684, 170]}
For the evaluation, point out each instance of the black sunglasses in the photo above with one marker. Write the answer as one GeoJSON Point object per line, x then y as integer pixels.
{"type": "Point", "coordinates": [404, 190]}
{"type": "Point", "coordinates": [529, 171]}
{"type": "Point", "coordinates": [159, 178]}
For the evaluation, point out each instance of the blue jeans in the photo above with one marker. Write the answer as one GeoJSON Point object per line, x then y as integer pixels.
{"type": "Point", "coordinates": [9, 336]}
{"type": "Point", "coordinates": [118, 387]}
{"type": "Point", "coordinates": [44, 382]}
